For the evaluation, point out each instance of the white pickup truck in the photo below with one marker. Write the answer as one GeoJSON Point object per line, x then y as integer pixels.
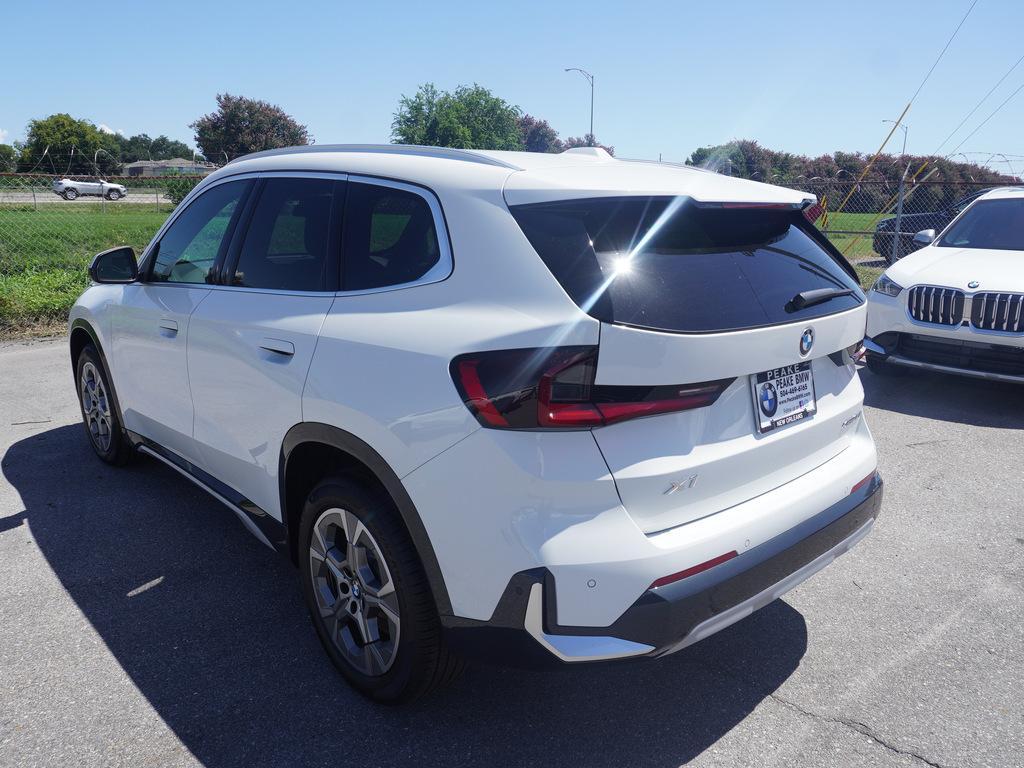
{"type": "Point", "coordinates": [71, 189]}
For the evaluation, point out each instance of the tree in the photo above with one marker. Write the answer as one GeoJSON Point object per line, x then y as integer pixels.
{"type": "Point", "coordinates": [240, 126]}
{"type": "Point", "coordinates": [8, 158]}
{"type": "Point", "coordinates": [538, 135]}
{"type": "Point", "coordinates": [61, 144]}
{"type": "Point", "coordinates": [142, 147]}
{"type": "Point", "coordinates": [467, 118]}
{"type": "Point", "coordinates": [587, 140]}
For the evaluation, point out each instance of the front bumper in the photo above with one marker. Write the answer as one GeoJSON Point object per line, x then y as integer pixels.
{"type": "Point", "coordinates": [524, 629]}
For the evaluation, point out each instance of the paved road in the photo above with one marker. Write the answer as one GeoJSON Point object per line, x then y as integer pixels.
{"type": "Point", "coordinates": [140, 625]}
{"type": "Point", "coordinates": [46, 197]}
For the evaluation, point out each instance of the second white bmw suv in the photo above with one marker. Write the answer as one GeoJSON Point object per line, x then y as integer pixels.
{"type": "Point", "coordinates": [527, 407]}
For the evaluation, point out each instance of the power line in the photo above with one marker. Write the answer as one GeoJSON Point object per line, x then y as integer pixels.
{"type": "Point", "coordinates": [976, 106]}
{"type": "Point", "coordinates": [906, 109]}
{"type": "Point", "coordinates": [991, 115]}
{"type": "Point", "coordinates": [943, 51]}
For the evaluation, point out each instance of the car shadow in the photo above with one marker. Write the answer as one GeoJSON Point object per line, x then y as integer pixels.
{"type": "Point", "coordinates": [210, 627]}
{"type": "Point", "coordinates": [946, 397]}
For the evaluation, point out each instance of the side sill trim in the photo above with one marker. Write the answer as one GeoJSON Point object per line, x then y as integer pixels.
{"type": "Point", "coordinates": [576, 647]}
{"type": "Point", "coordinates": [908, 363]}
{"type": "Point", "coordinates": [239, 512]}
{"type": "Point", "coordinates": [742, 610]}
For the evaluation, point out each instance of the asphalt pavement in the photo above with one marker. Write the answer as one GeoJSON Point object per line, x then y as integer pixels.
{"type": "Point", "coordinates": [141, 625]}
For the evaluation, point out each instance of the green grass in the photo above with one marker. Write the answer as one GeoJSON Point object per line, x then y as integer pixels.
{"type": "Point", "coordinates": [867, 275]}
{"type": "Point", "coordinates": [44, 254]}
{"type": "Point", "coordinates": [854, 247]}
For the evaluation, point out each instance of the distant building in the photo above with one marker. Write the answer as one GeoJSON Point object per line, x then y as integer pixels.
{"type": "Point", "coordinates": [176, 166]}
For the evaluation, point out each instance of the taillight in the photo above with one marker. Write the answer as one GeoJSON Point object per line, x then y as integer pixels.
{"type": "Point", "coordinates": [552, 388]}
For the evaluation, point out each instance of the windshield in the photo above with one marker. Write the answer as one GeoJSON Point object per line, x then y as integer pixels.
{"type": "Point", "coordinates": [668, 264]}
{"type": "Point", "coordinates": [997, 224]}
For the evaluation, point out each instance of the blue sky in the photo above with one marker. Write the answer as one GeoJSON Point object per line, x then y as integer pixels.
{"type": "Point", "coordinates": [807, 77]}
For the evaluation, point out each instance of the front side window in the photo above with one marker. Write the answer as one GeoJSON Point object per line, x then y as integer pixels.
{"type": "Point", "coordinates": [191, 245]}
{"type": "Point", "coordinates": [669, 264]}
{"type": "Point", "coordinates": [997, 224]}
{"type": "Point", "coordinates": [390, 237]}
{"type": "Point", "coordinates": [288, 243]}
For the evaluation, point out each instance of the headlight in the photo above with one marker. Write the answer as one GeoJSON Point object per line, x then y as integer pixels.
{"type": "Point", "coordinates": [884, 285]}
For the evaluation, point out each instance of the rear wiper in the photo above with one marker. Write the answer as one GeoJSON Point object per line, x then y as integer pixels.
{"type": "Point", "coordinates": [806, 299]}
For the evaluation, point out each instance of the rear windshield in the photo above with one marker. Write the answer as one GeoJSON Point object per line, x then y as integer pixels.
{"type": "Point", "coordinates": [989, 224]}
{"type": "Point", "coordinates": [666, 264]}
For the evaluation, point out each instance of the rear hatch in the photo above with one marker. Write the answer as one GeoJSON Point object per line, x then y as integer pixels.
{"type": "Point", "coordinates": [746, 304]}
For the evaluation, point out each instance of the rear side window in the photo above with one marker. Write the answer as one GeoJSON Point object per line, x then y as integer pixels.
{"type": "Point", "coordinates": [190, 246]}
{"type": "Point", "coordinates": [667, 264]}
{"type": "Point", "coordinates": [390, 237]}
{"type": "Point", "coordinates": [288, 245]}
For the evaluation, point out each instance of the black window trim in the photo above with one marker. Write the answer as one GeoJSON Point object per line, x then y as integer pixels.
{"type": "Point", "coordinates": [435, 274]}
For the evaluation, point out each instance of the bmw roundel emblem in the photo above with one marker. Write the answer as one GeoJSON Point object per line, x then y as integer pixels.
{"type": "Point", "coordinates": [768, 399]}
{"type": "Point", "coordinates": [806, 341]}
{"type": "Point", "coordinates": [973, 284]}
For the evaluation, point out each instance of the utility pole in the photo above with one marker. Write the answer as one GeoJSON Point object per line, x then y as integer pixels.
{"type": "Point", "coordinates": [590, 79]}
{"type": "Point", "coordinates": [899, 199]}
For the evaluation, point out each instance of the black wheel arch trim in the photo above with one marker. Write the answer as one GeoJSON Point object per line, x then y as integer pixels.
{"type": "Point", "coordinates": [325, 434]}
{"type": "Point", "coordinates": [81, 324]}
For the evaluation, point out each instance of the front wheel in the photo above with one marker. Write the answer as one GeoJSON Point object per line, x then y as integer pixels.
{"type": "Point", "coordinates": [102, 423]}
{"type": "Point", "coordinates": [368, 595]}
{"type": "Point", "coordinates": [113, 195]}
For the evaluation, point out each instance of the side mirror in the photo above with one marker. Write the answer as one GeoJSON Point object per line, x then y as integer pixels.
{"type": "Point", "coordinates": [118, 265]}
{"type": "Point", "coordinates": [924, 237]}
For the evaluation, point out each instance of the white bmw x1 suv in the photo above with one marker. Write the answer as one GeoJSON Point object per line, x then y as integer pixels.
{"type": "Point", "coordinates": [523, 407]}
{"type": "Point", "coordinates": [956, 305]}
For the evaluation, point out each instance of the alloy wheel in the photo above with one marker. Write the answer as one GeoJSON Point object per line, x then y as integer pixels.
{"type": "Point", "coordinates": [355, 592]}
{"type": "Point", "coordinates": [96, 406]}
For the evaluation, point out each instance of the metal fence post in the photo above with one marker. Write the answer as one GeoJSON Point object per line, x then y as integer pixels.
{"type": "Point", "coordinates": [899, 215]}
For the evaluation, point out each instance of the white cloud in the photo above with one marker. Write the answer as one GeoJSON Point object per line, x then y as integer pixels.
{"type": "Point", "coordinates": [3, 136]}
{"type": "Point", "coordinates": [104, 128]}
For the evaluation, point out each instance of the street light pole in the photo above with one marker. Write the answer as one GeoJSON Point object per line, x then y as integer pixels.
{"type": "Point", "coordinates": [904, 127]}
{"type": "Point", "coordinates": [590, 79]}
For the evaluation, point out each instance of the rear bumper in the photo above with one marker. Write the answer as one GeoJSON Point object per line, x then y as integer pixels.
{"type": "Point", "coordinates": [524, 629]}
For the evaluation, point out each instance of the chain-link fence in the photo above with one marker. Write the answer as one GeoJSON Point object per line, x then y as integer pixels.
{"type": "Point", "coordinates": [875, 221]}
{"type": "Point", "coordinates": [51, 226]}
{"type": "Point", "coordinates": [48, 235]}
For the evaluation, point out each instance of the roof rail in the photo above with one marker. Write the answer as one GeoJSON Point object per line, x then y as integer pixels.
{"type": "Point", "coordinates": [447, 153]}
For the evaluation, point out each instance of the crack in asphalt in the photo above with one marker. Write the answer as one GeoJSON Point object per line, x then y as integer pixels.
{"type": "Point", "coordinates": [855, 725]}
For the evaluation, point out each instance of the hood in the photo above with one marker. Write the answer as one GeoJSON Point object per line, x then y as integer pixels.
{"type": "Point", "coordinates": [956, 267]}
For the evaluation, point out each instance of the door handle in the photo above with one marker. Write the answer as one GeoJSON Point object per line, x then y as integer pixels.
{"type": "Point", "coordinates": [280, 346]}
{"type": "Point", "coordinates": [166, 324]}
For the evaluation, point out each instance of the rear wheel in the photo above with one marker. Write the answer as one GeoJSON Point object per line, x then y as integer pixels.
{"type": "Point", "coordinates": [102, 423]}
{"type": "Point", "coordinates": [368, 595]}
{"type": "Point", "coordinates": [70, 194]}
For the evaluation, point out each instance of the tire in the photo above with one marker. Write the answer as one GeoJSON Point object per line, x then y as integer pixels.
{"type": "Point", "coordinates": [386, 596]}
{"type": "Point", "coordinates": [113, 195]}
{"type": "Point", "coordinates": [70, 194]}
{"type": "Point", "coordinates": [881, 367]}
{"type": "Point", "coordinates": [99, 415]}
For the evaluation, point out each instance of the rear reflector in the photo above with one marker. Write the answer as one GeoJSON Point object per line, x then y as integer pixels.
{"type": "Point", "coordinates": [693, 571]}
{"type": "Point", "coordinates": [857, 486]}
{"type": "Point", "coordinates": [552, 388]}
